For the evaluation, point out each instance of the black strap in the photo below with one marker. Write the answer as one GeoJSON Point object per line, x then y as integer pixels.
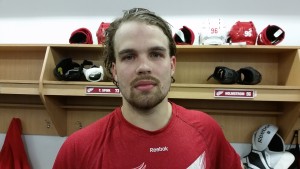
{"type": "Point", "coordinates": [248, 76]}
{"type": "Point", "coordinates": [86, 62]}
{"type": "Point", "coordinates": [295, 136]}
{"type": "Point", "coordinates": [224, 75]}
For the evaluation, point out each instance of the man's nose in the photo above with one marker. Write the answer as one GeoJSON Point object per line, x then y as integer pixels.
{"type": "Point", "coordinates": [144, 65]}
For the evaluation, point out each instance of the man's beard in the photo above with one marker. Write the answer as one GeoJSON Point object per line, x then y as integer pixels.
{"type": "Point", "coordinates": [149, 99]}
{"type": "Point", "coordinates": [146, 101]}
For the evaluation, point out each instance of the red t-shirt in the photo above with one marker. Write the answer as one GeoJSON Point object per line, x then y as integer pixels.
{"type": "Point", "coordinates": [191, 139]}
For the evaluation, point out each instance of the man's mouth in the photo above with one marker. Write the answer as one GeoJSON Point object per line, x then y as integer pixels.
{"type": "Point", "coordinates": [144, 85]}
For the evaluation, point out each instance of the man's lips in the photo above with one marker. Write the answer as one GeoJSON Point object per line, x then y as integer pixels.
{"type": "Point", "coordinates": [144, 85]}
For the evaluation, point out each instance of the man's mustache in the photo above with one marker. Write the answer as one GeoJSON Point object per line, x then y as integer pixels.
{"type": "Point", "coordinates": [144, 77]}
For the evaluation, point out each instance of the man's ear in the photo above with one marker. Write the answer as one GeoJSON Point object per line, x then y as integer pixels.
{"type": "Point", "coordinates": [114, 71]}
{"type": "Point", "coordinates": [173, 65]}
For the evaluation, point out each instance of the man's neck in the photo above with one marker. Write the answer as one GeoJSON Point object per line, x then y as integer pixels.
{"type": "Point", "coordinates": [151, 119]}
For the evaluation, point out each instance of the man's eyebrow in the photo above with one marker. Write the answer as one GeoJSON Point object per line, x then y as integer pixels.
{"type": "Point", "coordinates": [155, 48]}
{"type": "Point", "coordinates": [158, 48]}
{"type": "Point", "coordinates": [126, 51]}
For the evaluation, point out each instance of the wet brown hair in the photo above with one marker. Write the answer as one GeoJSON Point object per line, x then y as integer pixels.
{"type": "Point", "coordinates": [134, 14]}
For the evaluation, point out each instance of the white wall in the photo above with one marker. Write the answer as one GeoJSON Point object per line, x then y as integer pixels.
{"type": "Point", "coordinates": [40, 21]}
{"type": "Point", "coordinates": [57, 30]}
{"type": "Point", "coordinates": [51, 22]}
{"type": "Point", "coordinates": [41, 150]}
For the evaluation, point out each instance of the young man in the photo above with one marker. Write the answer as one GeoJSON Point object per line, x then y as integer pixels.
{"type": "Point", "coordinates": [147, 131]}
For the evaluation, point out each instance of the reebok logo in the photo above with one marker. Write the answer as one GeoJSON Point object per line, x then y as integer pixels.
{"type": "Point", "coordinates": [158, 149]}
{"type": "Point", "coordinates": [261, 134]}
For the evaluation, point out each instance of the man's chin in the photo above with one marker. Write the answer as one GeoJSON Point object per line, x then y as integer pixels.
{"type": "Point", "coordinates": [145, 101]}
{"type": "Point", "coordinates": [144, 105]}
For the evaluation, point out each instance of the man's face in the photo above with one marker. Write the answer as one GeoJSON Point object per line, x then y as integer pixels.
{"type": "Point", "coordinates": [143, 65]}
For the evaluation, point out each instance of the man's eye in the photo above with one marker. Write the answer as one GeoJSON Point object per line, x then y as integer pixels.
{"type": "Point", "coordinates": [127, 57]}
{"type": "Point", "coordinates": [156, 55]}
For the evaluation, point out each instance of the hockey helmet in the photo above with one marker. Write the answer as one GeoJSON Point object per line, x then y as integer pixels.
{"type": "Point", "coordinates": [243, 32]}
{"type": "Point", "coordinates": [184, 36]}
{"type": "Point", "coordinates": [81, 36]}
{"type": "Point", "coordinates": [68, 70]}
{"type": "Point", "coordinates": [266, 137]}
{"type": "Point", "coordinates": [93, 74]}
{"type": "Point", "coordinates": [271, 35]}
{"type": "Point", "coordinates": [213, 32]}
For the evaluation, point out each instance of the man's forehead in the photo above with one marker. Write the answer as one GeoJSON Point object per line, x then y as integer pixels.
{"type": "Point", "coordinates": [130, 25]}
{"type": "Point", "coordinates": [149, 49]}
{"type": "Point", "coordinates": [134, 35]}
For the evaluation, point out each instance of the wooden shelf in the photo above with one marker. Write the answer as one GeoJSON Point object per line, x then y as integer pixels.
{"type": "Point", "coordinates": [19, 87]}
{"type": "Point", "coordinates": [73, 88]}
{"type": "Point", "coordinates": [29, 89]}
{"type": "Point", "coordinates": [263, 92]}
{"type": "Point", "coordinates": [182, 91]}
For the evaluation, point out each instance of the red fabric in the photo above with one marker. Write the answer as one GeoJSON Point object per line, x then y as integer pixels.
{"type": "Point", "coordinates": [101, 32]}
{"type": "Point", "coordinates": [112, 142]}
{"type": "Point", "coordinates": [13, 155]}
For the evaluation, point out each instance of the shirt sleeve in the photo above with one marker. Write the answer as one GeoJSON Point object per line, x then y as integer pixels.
{"type": "Point", "coordinates": [66, 158]}
{"type": "Point", "coordinates": [221, 153]}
